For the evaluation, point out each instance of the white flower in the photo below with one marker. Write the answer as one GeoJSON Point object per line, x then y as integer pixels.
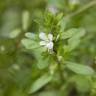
{"type": "Point", "coordinates": [52, 9]}
{"type": "Point", "coordinates": [46, 41]}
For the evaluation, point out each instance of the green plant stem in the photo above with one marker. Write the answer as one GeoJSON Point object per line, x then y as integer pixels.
{"type": "Point", "coordinates": [84, 8]}
{"type": "Point", "coordinates": [60, 69]}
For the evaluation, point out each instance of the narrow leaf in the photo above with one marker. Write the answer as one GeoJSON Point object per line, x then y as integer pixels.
{"type": "Point", "coordinates": [30, 35]}
{"type": "Point", "coordinates": [29, 44]}
{"type": "Point", "coordinates": [69, 33]}
{"type": "Point", "coordinates": [73, 32]}
{"type": "Point", "coordinates": [80, 69]}
{"type": "Point", "coordinates": [39, 83]}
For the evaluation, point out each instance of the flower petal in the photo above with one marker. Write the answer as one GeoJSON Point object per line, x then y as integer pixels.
{"type": "Point", "coordinates": [43, 36]}
{"type": "Point", "coordinates": [50, 45]}
{"type": "Point", "coordinates": [42, 43]}
{"type": "Point", "coordinates": [50, 37]}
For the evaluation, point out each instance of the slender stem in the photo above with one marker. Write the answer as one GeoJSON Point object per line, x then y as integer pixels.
{"type": "Point", "coordinates": [60, 69]}
{"type": "Point", "coordinates": [84, 8]}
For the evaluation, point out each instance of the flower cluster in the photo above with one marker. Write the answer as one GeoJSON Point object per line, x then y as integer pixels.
{"type": "Point", "coordinates": [46, 41]}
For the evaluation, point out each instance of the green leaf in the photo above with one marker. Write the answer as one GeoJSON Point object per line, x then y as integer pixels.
{"type": "Point", "coordinates": [29, 44]}
{"type": "Point", "coordinates": [73, 43]}
{"type": "Point", "coordinates": [69, 33]}
{"type": "Point", "coordinates": [59, 16]}
{"type": "Point", "coordinates": [42, 62]}
{"type": "Point", "coordinates": [39, 83]}
{"type": "Point", "coordinates": [30, 35]}
{"type": "Point", "coordinates": [73, 32]}
{"type": "Point", "coordinates": [80, 33]}
{"type": "Point", "coordinates": [63, 23]}
{"type": "Point", "coordinates": [74, 36]}
{"type": "Point", "coordinates": [80, 69]}
{"type": "Point", "coordinates": [37, 51]}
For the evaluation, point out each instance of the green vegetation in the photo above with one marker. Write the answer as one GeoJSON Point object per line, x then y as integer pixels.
{"type": "Point", "coordinates": [47, 47]}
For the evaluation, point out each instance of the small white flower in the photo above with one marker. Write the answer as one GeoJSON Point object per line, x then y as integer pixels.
{"type": "Point", "coordinates": [46, 41]}
{"type": "Point", "coordinates": [52, 9]}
